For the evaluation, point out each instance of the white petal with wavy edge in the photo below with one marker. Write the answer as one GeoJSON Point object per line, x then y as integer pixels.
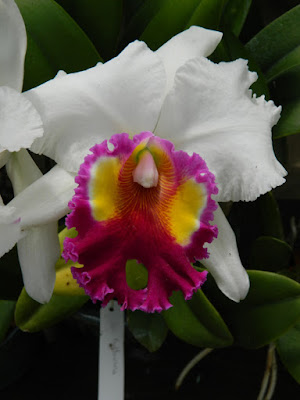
{"type": "Point", "coordinates": [20, 121]}
{"type": "Point", "coordinates": [224, 261]}
{"type": "Point", "coordinates": [38, 253]}
{"type": "Point", "coordinates": [10, 231]}
{"type": "Point", "coordinates": [46, 200]}
{"type": "Point", "coordinates": [82, 109]}
{"type": "Point", "coordinates": [189, 44]}
{"type": "Point", "coordinates": [13, 43]}
{"type": "Point", "coordinates": [211, 111]}
{"type": "Point", "coordinates": [22, 170]}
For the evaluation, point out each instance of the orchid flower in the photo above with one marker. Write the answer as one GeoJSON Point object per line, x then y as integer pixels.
{"type": "Point", "coordinates": [144, 100]}
{"type": "Point", "coordinates": [20, 125]}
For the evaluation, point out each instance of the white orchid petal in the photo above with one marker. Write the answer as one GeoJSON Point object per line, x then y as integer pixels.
{"type": "Point", "coordinates": [13, 45]}
{"type": "Point", "coordinates": [4, 157]}
{"type": "Point", "coordinates": [20, 122]}
{"type": "Point", "coordinates": [10, 231]}
{"type": "Point", "coordinates": [224, 262]}
{"type": "Point", "coordinates": [189, 44]}
{"type": "Point", "coordinates": [22, 171]}
{"type": "Point", "coordinates": [38, 252]}
{"type": "Point", "coordinates": [211, 111]}
{"type": "Point", "coordinates": [60, 74]}
{"type": "Point", "coordinates": [82, 109]}
{"type": "Point", "coordinates": [46, 200]}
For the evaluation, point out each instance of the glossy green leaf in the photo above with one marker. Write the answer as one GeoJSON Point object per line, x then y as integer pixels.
{"type": "Point", "coordinates": [289, 123]}
{"type": "Point", "coordinates": [136, 275]}
{"type": "Point", "coordinates": [286, 87]}
{"type": "Point", "coordinates": [6, 316]}
{"type": "Point", "coordinates": [31, 316]}
{"type": "Point", "coordinates": [55, 42]}
{"type": "Point", "coordinates": [157, 21]}
{"type": "Point", "coordinates": [100, 20]}
{"type": "Point", "coordinates": [271, 254]}
{"type": "Point", "coordinates": [270, 218]}
{"type": "Point", "coordinates": [148, 329]}
{"type": "Point", "coordinates": [65, 284]}
{"type": "Point", "coordinates": [276, 40]}
{"type": "Point", "coordinates": [235, 15]}
{"type": "Point", "coordinates": [270, 309]}
{"type": "Point", "coordinates": [197, 321]}
{"type": "Point", "coordinates": [288, 347]}
{"type": "Point", "coordinates": [11, 282]}
{"type": "Point", "coordinates": [229, 49]}
{"type": "Point", "coordinates": [140, 19]}
{"type": "Point", "coordinates": [284, 64]}
{"type": "Point", "coordinates": [131, 7]}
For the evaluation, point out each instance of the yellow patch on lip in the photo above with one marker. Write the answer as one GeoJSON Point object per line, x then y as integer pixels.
{"type": "Point", "coordinates": [174, 209]}
{"type": "Point", "coordinates": [186, 209]}
{"type": "Point", "coordinates": [103, 187]}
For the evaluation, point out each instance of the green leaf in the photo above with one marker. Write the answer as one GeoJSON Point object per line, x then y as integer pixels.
{"type": "Point", "coordinates": [55, 42]}
{"type": "Point", "coordinates": [100, 20]}
{"type": "Point", "coordinates": [11, 282]}
{"type": "Point", "coordinates": [286, 87]}
{"type": "Point", "coordinates": [31, 316]}
{"type": "Point", "coordinates": [235, 15]}
{"type": "Point", "coordinates": [141, 19]}
{"type": "Point", "coordinates": [276, 40]}
{"type": "Point", "coordinates": [6, 316]}
{"type": "Point", "coordinates": [159, 20]}
{"type": "Point", "coordinates": [65, 284]}
{"type": "Point", "coordinates": [148, 329]}
{"type": "Point", "coordinates": [289, 123]}
{"type": "Point", "coordinates": [270, 254]}
{"type": "Point", "coordinates": [197, 321]}
{"type": "Point", "coordinates": [281, 65]}
{"type": "Point", "coordinates": [284, 64]}
{"type": "Point", "coordinates": [288, 347]}
{"type": "Point", "coordinates": [229, 49]}
{"type": "Point", "coordinates": [136, 275]}
{"type": "Point", "coordinates": [270, 218]}
{"type": "Point", "coordinates": [270, 309]}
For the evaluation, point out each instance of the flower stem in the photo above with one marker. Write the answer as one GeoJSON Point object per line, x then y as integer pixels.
{"type": "Point", "coordinates": [266, 378]}
{"type": "Point", "coordinates": [111, 357]}
{"type": "Point", "coordinates": [191, 365]}
{"type": "Point", "coordinates": [273, 379]}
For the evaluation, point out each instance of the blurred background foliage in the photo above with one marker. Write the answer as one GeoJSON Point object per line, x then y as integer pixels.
{"type": "Point", "coordinates": [76, 34]}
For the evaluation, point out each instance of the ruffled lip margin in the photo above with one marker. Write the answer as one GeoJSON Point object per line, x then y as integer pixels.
{"type": "Point", "coordinates": [104, 251]}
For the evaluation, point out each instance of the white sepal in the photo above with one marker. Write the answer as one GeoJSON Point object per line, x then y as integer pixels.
{"type": "Point", "coordinates": [38, 253]}
{"type": "Point", "coordinates": [224, 261]}
{"type": "Point", "coordinates": [13, 43]}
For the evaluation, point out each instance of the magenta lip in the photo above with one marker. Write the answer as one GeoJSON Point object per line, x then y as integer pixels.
{"type": "Point", "coordinates": [103, 247]}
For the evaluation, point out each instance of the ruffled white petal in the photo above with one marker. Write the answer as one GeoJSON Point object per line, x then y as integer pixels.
{"type": "Point", "coordinates": [10, 231]}
{"type": "Point", "coordinates": [224, 262]}
{"type": "Point", "coordinates": [38, 253]}
{"type": "Point", "coordinates": [46, 200]}
{"type": "Point", "coordinates": [82, 109]}
{"type": "Point", "coordinates": [211, 111]}
{"type": "Point", "coordinates": [20, 122]}
{"type": "Point", "coordinates": [60, 74]}
{"type": "Point", "coordinates": [13, 44]}
{"type": "Point", "coordinates": [191, 43]}
{"type": "Point", "coordinates": [22, 171]}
